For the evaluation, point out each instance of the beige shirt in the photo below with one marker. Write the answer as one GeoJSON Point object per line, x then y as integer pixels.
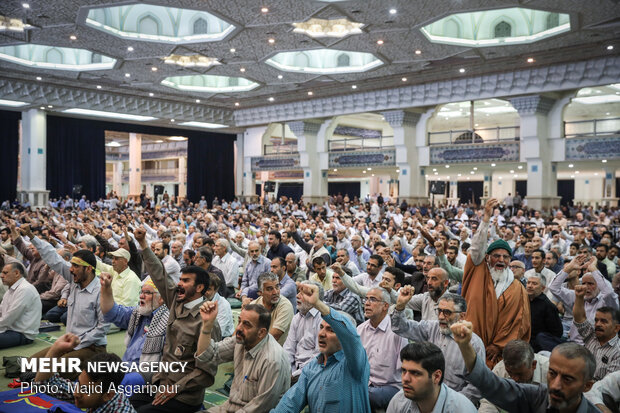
{"type": "Point", "coordinates": [262, 374]}
{"type": "Point", "coordinates": [281, 316]}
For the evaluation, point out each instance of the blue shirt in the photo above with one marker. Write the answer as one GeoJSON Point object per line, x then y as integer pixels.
{"type": "Point", "coordinates": [288, 289]}
{"type": "Point", "coordinates": [341, 385]}
{"type": "Point", "coordinates": [120, 315]}
{"type": "Point", "coordinates": [252, 271]}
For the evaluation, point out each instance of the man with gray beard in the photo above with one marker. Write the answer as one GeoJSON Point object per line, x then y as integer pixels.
{"type": "Point", "coordinates": [451, 309]}
{"type": "Point", "coordinates": [499, 307]}
{"type": "Point", "coordinates": [145, 325]}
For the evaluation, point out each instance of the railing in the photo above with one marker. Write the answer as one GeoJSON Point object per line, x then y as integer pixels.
{"type": "Point", "coordinates": [482, 135]}
{"type": "Point", "coordinates": [157, 172]}
{"type": "Point", "coordinates": [352, 144]}
{"type": "Point", "coordinates": [287, 148]}
{"type": "Point", "coordinates": [592, 128]}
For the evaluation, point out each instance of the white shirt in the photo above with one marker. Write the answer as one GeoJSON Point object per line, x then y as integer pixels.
{"type": "Point", "coordinates": [172, 267]}
{"type": "Point", "coordinates": [365, 280]}
{"type": "Point", "coordinates": [229, 267]}
{"type": "Point", "coordinates": [20, 310]}
{"type": "Point", "coordinates": [224, 315]}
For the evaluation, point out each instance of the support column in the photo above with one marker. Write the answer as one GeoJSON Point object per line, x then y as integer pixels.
{"type": "Point", "coordinates": [312, 146]}
{"type": "Point", "coordinates": [117, 177]}
{"type": "Point", "coordinates": [33, 159]}
{"type": "Point", "coordinates": [609, 188]}
{"type": "Point", "coordinates": [135, 165]}
{"type": "Point", "coordinates": [534, 148]}
{"type": "Point", "coordinates": [412, 183]}
{"type": "Point", "coordinates": [182, 177]}
{"type": "Point", "coordinates": [252, 146]}
{"type": "Point", "coordinates": [453, 195]}
{"type": "Point", "coordinates": [487, 185]}
{"type": "Point", "coordinates": [239, 161]}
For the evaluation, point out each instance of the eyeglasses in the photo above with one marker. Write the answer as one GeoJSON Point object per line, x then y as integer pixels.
{"type": "Point", "coordinates": [372, 300]}
{"type": "Point", "coordinates": [514, 266]}
{"type": "Point", "coordinates": [445, 312]}
{"type": "Point", "coordinates": [146, 292]}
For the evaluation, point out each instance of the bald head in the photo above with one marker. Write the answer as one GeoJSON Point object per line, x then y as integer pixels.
{"type": "Point", "coordinates": [517, 268]}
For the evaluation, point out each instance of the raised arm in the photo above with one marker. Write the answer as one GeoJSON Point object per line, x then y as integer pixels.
{"type": "Point", "coordinates": [479, 241]}
{"type": "Point", "coordinates": [454, 273]}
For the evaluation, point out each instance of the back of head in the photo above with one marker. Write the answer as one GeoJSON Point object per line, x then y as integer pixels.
{"type": "Point", "coordinates": [518, 353]}
{"type": "Point", "coordinates": [107, 376]}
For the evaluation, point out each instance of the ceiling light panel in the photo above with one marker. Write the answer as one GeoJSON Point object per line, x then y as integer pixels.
{"type": "Point", "coordinates": [499, 27]}
{"type": "Point", "coordinates": [114, 115]}
{"type": "Point", "coordinates": [328, 28]}
{"type": "Point", "coordinates": [209, 83]}
{"type": "Point", "coordinates": [55, 58]}
{"type": "Point", "coordinates": [324, 61]}
{"type": "Point", "coordinates": [147, 22]}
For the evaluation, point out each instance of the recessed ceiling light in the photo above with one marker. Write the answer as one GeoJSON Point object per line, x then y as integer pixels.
{"type": "Point", "coordinates": [436, 173]}
{"type": "Point", "coordinates": [233, 50]}
{"type": "Point", "coordinates": [606, 113]}
{"type": "Point", "coordinates": [610, 47]}
{"type": "Point", "coordinates": [42, 108]}
{"type": "Point", "coordinates": [130, 49]}
{"type": "Point", "coordinates": [530, 60]}
{"type": "Point", "coordinates": [447, 166]}
{"type": "Point", "coordinates": [159, 141]}
{"type": "Point", "coordinates": [572, 176]}
{"type": "Point", "coordinates": [172, 120]}
{"type": "Point", "coordinates": [264, 10]}
{"type": "Point", "coordinates": [363, 172]}
{"type": "Point", "coordinates": [38, 77]}
{"type": "Point", "coordinates": [379, 42]}
{"type": "Point", "coordinates": [197, 100]}
{"type": "Point", "coordinates": [516, 175]}
{"type": "Point", "coordinates": [468, 178]}
{"type": "Point", "coordinates": [520, 167]}
{"type": "Point", "coordinates": [604, 161]}
{"type": "Point", "coordinates": [335, 170]}
{"type": "Point", "coordinates": [398, 171]}
{"type": "Point", "coordinates": [492, 164]}
{"type": "Point", "coordinates": [373, 175]}
{"type": "Point", "coordinates": [271, 99]}
{"type": "Point", "coordinates": [576, 172]}
{"type": "Point", "coordinates": [404, 79]}
{"type": "Point", "coordinates": [595, 173]}
{"type": "Point", "coordinates": [236, 103]}
{"type": "Point", "coordinates": [458, 174]}
{"type": "Point", "coordinates": [471, 172]}
{"type": "Point", "coordinates": [499, 177]}
{"type": "Point", "coordinates": [475, 168]}
{"type": "Point", "coordinates": [462, 70]}
{"type": "Point", "coordinates": [177, 138]}
{"type": "Point", "coordinates": [50, 106]}
{"type": "Point", "coordinates": [476, 124]}
{"type": "Point", "coordinates": [151, 94]}
{"type": "Point", "coordinates": [353, 86]}
{"type": "Point", "coordinates": [512, 171]}
{"type": "Point", "coordinates": [127, 74]}
{"type": "Point", "coordinates": [73, 37]}
{"type": "Point", "coordinates": [25, 5]}
{"type": "Point", "coordinates": [393, 11]}
{"type": "Point", "coordinates": [418, 52]}
{"type": "Point", "coordinates": [271, 40]}
{"type": "Point", "coordinates": [434, 169]}
{"type": "Point", "coordinates": [154, 69]}
{"type": "Point", "coordinates": [570, 165]}
{"type": "Point", "coordinates": [370, 169]}
{"type": "Point", "coordinates": [242, 70]}
{"type": "Point", "coordinates": [310, 93]}
{"type": "Point", "coordinates": [98, 86]}
{"type": "Point", "coordinates": [280, 76]}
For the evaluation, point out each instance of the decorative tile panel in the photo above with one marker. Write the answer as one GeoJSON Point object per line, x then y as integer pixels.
{"type": "Point", "coordinates": [454, 154]}
{"type": "Point", "coordinates": [362, 158]}
{"type": "Point", "coordinates": [275, 162]}
{"type": "Point", "coordinates": [593, 148]}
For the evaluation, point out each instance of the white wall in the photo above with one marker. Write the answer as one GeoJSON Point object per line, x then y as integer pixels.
{"type": "Point", "coordinates": [588, 190]}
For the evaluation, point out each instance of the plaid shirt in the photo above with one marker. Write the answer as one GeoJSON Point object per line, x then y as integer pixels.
{"type": "Point", "coordinates": [345, 301]}
{"type": "Point", "coordinates": [118, 403]}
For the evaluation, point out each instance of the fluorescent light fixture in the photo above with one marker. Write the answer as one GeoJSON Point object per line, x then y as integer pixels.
{"type": "Point", "coordinates": [324, 61]}
{"type": "Point", "coordinates": [593, 100]}
{"type": "Point", "coordinates": [35, 55]}
{"type": "Point", "coordinates": [497, 109]}
{"type": "Point", "coordinates": [177, 138]}
{"type": "Point", "coordinates": [204, 125]}
{"type": "Point", "coordinates": [113, 144]}
{"type": "Point", "coordinates": [114, 115]}
{"type": "Point", "coordinates": [12, 103]}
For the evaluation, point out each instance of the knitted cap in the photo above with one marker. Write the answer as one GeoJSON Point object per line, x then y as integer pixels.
{"type": "Point", "coordinates": [499, 244]}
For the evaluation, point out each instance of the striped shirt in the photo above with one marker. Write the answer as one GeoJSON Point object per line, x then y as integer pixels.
{"type": "Point", "coordinates": [345, 301]}
{"type": "Point", "coordinates": [607, 355]}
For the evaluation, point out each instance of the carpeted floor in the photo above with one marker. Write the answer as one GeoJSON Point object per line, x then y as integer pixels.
{"type": "Point", "coordinates": [116, 345]}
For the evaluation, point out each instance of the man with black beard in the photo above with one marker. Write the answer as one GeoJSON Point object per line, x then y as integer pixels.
{"type": "Point", "coordinates": [182, 332]}
{"type": "Point", "coordinates": [427, 303]}
{"type": "Point", "coordinates": [145, 325]}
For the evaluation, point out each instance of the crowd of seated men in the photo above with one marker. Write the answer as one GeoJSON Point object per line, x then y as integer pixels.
{"type": "Point", "coordinates": [353, 306]}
